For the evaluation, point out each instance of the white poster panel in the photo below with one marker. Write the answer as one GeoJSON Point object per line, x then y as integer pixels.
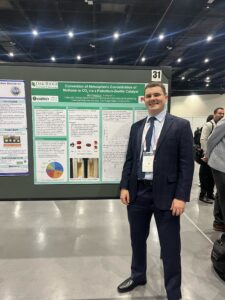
{"type": "Point", "coordinates": [12, 89]}
{"type": "Point", "coordinates": [116, 127]}
{"type": "Point", "coordinates": [50, 122]}
{"type": "Point", "coordinates": [51, 162]}
{"type": "Point", "coordinates": [13, 152]}
{"type": "Point", "coordinates": [84, 144]}
{"type": "Point", "coordinates": [13, 129]}
{"type": "Point", "coordinates": [140, 114]}
{"type": "Point", "coordinates": [13, 114]}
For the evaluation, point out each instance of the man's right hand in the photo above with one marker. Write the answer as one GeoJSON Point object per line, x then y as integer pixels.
{"type": "Point", "coordinates": [205, 159]}
{"type": "Point", "coordinates": [125, 196]}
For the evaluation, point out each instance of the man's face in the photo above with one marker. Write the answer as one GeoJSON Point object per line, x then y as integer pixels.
{"type": "Point", "coordinates": [155, 100]}
{"type": "Point", "coordinates": [218, 115]}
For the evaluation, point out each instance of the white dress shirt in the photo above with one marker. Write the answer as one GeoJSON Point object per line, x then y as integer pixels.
{"type": "Point", "coordinates": [158, 124]}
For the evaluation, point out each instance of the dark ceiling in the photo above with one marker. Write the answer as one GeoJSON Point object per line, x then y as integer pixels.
{"type": "Point", "coordinates": [186, 24]}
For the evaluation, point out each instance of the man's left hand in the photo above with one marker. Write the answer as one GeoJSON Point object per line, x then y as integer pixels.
{"type": "Point", "coordinates": [177, 207]}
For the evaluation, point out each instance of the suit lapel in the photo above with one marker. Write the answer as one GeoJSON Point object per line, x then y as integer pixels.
{"type": "Point", "coordinates": [139, 136]}
{"type": "Point", "coordinates": [167, 123]}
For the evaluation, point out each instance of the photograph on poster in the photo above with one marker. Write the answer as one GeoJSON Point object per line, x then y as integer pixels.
{"type": "Point", "coordinates": [81, 168]}
{"type": "Point", "coordinates": [11, 141]}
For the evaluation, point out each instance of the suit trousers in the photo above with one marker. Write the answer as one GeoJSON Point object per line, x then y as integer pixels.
{"type": "Point", "coordinates": [219, 206]}
{"type": "Point", "coordinates": [206, 179]}
{"type": "Point", "coordinates": [139, 215]}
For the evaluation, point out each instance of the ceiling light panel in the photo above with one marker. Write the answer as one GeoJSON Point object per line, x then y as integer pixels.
{"type": "Point", "coordinates": [161, 37]}
{"type": "Point", "coordinates": [35, 32]}
{"type": "Point", "coordinates": [116, 35]}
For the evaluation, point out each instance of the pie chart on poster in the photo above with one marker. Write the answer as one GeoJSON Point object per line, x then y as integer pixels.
{"type": "Point", "coordinates": [54, 169]}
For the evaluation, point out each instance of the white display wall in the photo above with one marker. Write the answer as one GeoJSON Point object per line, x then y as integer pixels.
{"type": "Point", "coordinates": [196, 108]}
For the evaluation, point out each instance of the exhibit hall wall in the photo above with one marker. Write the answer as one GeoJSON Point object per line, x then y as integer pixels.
{"type": "Point", "coordinates": [196, 108]}
{"type": "Point", "coordinates": [62, 162]}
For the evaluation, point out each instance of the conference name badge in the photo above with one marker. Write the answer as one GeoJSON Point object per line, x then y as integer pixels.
{"type": "Point", "coordinates": [147, 162]}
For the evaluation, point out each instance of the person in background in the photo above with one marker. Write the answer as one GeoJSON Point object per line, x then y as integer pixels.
{"type": "Point", "coordinates": [205, 174]}
{"type": "Point", "coordinates": [156, 180]}
{"type": "Point", "coordinates": [216, 160]}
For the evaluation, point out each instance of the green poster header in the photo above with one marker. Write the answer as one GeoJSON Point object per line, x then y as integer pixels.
{"type": "Point", "coordinates": [88, 92]}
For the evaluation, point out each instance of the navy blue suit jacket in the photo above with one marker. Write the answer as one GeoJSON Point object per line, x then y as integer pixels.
{"type": "Point", "coordinates": [173, 163]}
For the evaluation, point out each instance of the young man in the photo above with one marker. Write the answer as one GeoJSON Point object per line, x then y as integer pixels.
{"type": "Point", "coordinates": [156, 179]}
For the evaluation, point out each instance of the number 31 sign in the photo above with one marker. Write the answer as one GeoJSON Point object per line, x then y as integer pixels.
{"type": "Point", "coordinates": [156, 75]}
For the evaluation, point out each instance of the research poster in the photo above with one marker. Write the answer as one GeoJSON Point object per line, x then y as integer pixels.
{"type": "Point", "coordinates": [13, 129]}
{"type": "Point", "coordinates": [81, 129]}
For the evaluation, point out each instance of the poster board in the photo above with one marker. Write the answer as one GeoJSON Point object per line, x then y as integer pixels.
{"type": "Point", "coordinates": [27, 187]}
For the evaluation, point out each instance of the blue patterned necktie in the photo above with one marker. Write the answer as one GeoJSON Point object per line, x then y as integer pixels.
{"type": "Point", "coordinates": [148, 139]}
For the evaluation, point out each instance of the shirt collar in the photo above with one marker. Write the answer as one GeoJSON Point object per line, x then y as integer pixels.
{"type": "Point", "coordinates": [160, 117]}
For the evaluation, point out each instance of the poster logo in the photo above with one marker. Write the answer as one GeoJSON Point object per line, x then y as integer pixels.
{"type": "Point", "coordinates": [45, 99]}
{"type": "Point", "coordinates": [44, 84]}
{"type": "Point", "coordinates": [15, 90]}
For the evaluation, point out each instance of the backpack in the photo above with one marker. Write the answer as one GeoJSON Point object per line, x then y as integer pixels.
{"type": "Point", "coordinates": [197, 136]}
{"type": "Point", "coordinates": [218, 256]}
{"type": "Point", "coordinates": [198, 151]}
